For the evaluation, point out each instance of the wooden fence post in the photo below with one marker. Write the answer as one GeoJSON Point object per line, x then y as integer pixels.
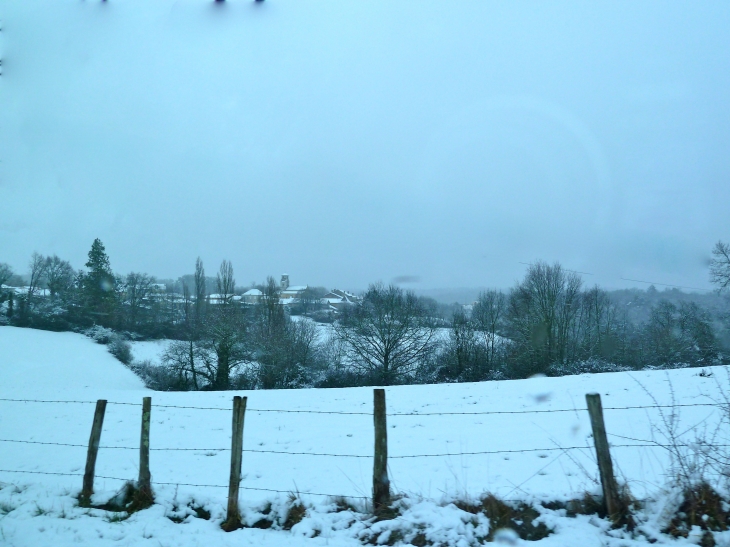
{"type": "Point", "coordinates": [603, 455]}
{"type": "Point", "coordinates": [233, 517]}
{"type": "Point", "coordinates": [381, 484]}
{"type": "Point", "coordinates": [144, 497]}
{"type": "Point", "coordinates": [88, 486]}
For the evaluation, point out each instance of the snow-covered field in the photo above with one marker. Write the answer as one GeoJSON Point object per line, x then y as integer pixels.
{"type": "Point", "coordinates": [150, 350]}
{"type": "Point", "coordinates": [37, 509]}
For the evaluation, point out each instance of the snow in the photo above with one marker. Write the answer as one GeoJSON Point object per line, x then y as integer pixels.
{"type": "Point", "coordinates": [39, 509]}
{"type": "Point", "coordinates": [150, 350]}
{"type": "Point", "coordinates": [37, 361]}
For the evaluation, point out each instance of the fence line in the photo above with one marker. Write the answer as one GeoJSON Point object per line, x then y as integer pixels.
{"type": "Point", "coordinates": [185, 484]}
{"type": "Point", "coordinates": [393, 414]}
{"type": "Point", "coordinates": [380, 474]}
{"type": "Point", "coordinates": [644, 443]}
{"type": "Point", "coordinates": [252, 488]}
{"type": "Point", "coordinates": [668, 445]}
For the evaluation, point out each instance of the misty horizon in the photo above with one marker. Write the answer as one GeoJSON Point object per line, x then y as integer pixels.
{"type": "Point", "coordinates": [349, 143]}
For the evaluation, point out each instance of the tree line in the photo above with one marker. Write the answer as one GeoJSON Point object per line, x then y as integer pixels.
{"type": "Point", "coordinates": [548, 323]}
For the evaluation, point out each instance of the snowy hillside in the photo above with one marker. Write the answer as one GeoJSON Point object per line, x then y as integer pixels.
{"type": "Point", "coordinates": [445, 442]}
{"type": "Point", "coordinates": [34, 361]}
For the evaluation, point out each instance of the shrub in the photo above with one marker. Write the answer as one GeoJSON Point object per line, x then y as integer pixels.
{"type": "Point", "coordinates": [101, 335]}
{"type": "Point", "coordinates": [519, 517]}
{"type": "Point", "coordinates": [591, 366]}
{"type": "Point", "coordinates": [120, 349]}
{"type": "Point", "coordinates": [159, 378]}
{"type": "Point", "coordinates": [323, 316]}
{"type": "Point", "coordinates": [701, 506]}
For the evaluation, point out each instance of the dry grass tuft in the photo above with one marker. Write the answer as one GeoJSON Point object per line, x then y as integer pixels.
{"type": "Point", "coordinates": [590, 504]}
{"type": "Point", "coordinates": [701, 506]}
{"type": "Point", "coordinates": [343, 504]}
{"type": "Point", "coordinates": [296, 512]}
{"type": "Point", "coordinates": [178, 516]}
{"type": "Point", "coordinates": [519, 517]}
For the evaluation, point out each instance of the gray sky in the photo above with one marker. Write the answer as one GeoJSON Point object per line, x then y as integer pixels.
{"type": "Point", "coordinates": [350, 141]}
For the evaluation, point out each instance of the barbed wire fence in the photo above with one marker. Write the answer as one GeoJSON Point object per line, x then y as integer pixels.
{"type": "Point", "coordinates": [601, 445]}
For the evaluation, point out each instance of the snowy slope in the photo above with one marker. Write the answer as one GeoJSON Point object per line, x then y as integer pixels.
{"type": "Point", "coordinates": [59, 360]}
{"type": "Point", "coordinates": [149, 350]}
{"type": "Point", "coordinates": [38, 361]}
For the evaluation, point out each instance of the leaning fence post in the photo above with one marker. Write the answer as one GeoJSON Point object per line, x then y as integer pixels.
{"type": "Point", "coordinates": [233, 517]}
{"type": "Point", "coordinates": [88, 486]}
{"type": "Point", "coordinates": [143, 496]}
{"type": "Point", "coordinates": [603, 455]}
{"type": "Point", "coordinates": [381, 484]}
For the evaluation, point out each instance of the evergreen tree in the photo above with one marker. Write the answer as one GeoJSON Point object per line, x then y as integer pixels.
{"type": "Point", "coordinates": [99, 284]}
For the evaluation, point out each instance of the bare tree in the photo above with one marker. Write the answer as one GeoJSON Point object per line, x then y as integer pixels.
{"type": "Point", "coordinates": [199, 292]}
{"type": "Point", "coordinates": [303, 336]}
{"type": "Point", "coordinates": [464, 356]}
{"type": "Point", "coordinates": [37, 267]}
{"type": "Point", "coordinates": [310, 300]}
{"type": "Point", "coordinates": [225, 282]}
{"type": "Point", "coordinates": [214, 344]}
{"type": "Point", "coordinates": [594, 332]}
{"type": "Point", "coordinates": [540, 315]}
{"type": "Point", "coordinates": [661, 334]}
{"type": "Point", "coordinates": [183, 356]}
{"type": "Point", "coordinates": [59, 275]}
{"type": "Point", "coordinates": [388, 335]}
{"type": "Point", "coordinates": [699, 344]}
{"type": "Point", "coordinates": [6, 272]}
{"type": "Point", "coordinates": [36, 274]}
{"type": "Point", "coordinates": [679, 335]}
{"type": "Point", "coordinates": [720, 266]}
{"type": "Point", "coordinates": [187, 359]}
{"type": "Point", "coordinates": [488, 317]}
{"type": "Point", "coordinates": [269, 333]}
{"type": "Point", "coordinates": [191, 334]}
{"type": "Point", "coordinates": [208, 359]}
{"type": "Point", "coordinates": [137, 288]}
{"type": "Point", "coordinates": [223, 338]}
{"type": "Point", "coordinates": [224, 345]}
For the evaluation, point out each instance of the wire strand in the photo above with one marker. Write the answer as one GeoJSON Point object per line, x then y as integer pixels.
{"type": "Point", "coordinates": [393, 414]}
{"type": "Point", "coordinates": [186, 484]}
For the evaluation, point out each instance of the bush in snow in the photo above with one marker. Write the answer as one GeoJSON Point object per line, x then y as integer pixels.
{"type": "Point", "coordinates": [159, 378]}
{"type": "Point", "coordinates": [120, 349]}
{"type": "Point", "coordinates": [101, 335]}
{"type": "Point", "coordinates": [590, 366]}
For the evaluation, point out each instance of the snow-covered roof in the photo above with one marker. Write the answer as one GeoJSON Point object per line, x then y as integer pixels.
{"type": "Point", "coordinates": [24, 290]}
{"type": "Point", "coordinates": [253, 292]}
{"type": "Point", "coordinates": [296, 288]}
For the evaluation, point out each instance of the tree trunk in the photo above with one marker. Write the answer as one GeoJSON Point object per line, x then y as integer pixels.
{"type": "Point", "coordinates": [191, 356]}
{"type": "Point", "coordinates": [221, 375]}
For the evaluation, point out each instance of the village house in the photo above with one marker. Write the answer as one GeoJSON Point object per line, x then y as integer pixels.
{"type": "Point", "coordinates": [223, 299]}
{"type": "Point", "coordinates": [290, 292]}
{"type": "Point", "coordinates": [337, 299]}
{"type": "Point", "coordinates": [251, 296]}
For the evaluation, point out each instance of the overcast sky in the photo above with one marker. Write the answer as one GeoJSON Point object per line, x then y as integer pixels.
{"type": "Point", "coordinates": [350, 141]}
